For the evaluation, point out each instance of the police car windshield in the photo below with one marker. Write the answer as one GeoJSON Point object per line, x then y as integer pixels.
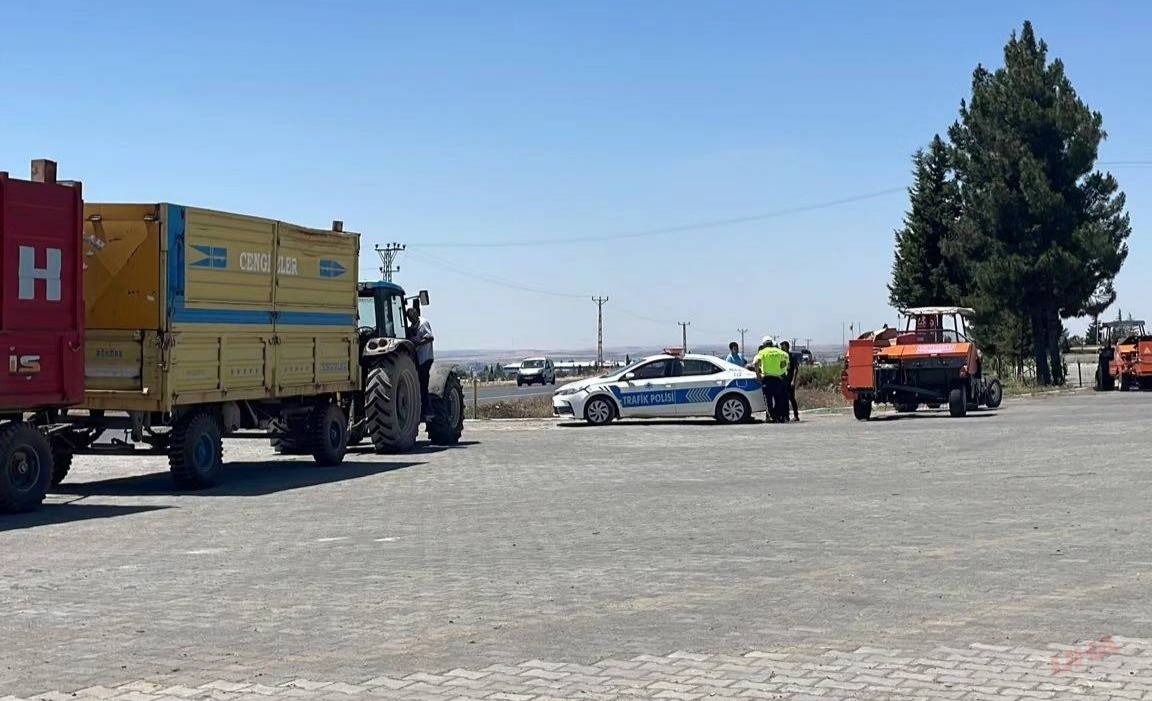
{"type": "Point", "coordinates": [626, 368]}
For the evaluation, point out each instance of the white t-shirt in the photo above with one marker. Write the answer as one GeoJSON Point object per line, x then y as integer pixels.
{"type": "Point", "coordinates": [424, 352]}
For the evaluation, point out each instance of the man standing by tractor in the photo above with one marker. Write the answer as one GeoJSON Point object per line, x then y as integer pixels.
{"type": "Point", "coordinates": [794, 360]}
{"type": "Point", "coordinates": [771, 366]}
{"type": "Point", "coordinates": [420, 334]}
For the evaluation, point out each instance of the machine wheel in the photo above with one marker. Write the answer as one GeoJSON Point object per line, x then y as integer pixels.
{"type": "Point", "coordinates": [195, 450]}
{"type": "Point", "coordinates": [733, 409]}
{"type": "Point", "coordinates": [290, 436]}
{"type": "Point", "coordinates": [906, 407]}
{"type": "Point", "coordinates": [599, 411]}
{"type": "Point", "coordinates": [862, 409]}
{"type": "Point", "coordinates": [957, 402]}
{"type": "Point", "coordinates": [61, 463]}
{"type": "Point", "coordinates": [357, 433]}
{"type": "Point", "coordinates": [392, 404]}
{"type": "Point", "coordinates": [994, 394]}
{"type": "Point", "coordinates": [25, 467]}
{"type": "Point", "coordinates": [447, 422]}
{"type": "Point", "coordinates": [328, 434]}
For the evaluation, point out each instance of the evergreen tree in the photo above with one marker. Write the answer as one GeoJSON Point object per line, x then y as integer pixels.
{"type": "Point", "coordinates": [1040, 230]}
{"type": "Point", "coordinates": [921, 274]}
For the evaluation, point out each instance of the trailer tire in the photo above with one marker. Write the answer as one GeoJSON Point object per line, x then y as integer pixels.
{"type": "Point", "coordinates": [995, 394]}
{"type": "Point", "coordinates": [328, 434]}
{"type": "Point", "coordinates": [61, 464]}
{"type": "Point", "coordinates": [25, 467]}
{"type": "Point", "coordinates": [196, 450]}
{"type": "Point", "coordinates": [290, 436]}
{"type": "Point", "coordinates": [862, 409]}
{"type": "Point", "coordinates": [392, 404]}
{"type": "Point", "coordinates": [957, 402]}
{"type": "Point", "coordinates": [447, 422]}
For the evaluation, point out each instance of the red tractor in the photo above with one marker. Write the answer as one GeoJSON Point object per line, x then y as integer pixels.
{"type": "Point", "coordinates": [1129, 361]}
{"type": "Point", "coordinates": [41, 326]}
{"type": "Point", "coordinates": [931, 362]}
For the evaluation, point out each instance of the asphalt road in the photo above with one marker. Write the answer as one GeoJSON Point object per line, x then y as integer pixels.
{"type": "Point", "coordinates": [489, 394]}
{"type": "Point", "coordinates": [915, 556]}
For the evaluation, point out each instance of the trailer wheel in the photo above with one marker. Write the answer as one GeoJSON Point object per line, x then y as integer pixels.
{"type": "Point", "coordinates": [995, 394]}
{"type": "Point", "coordinates": [328, 435]}
{"type": "Point", "coordinates": [862, 409]}
{"type": "Point", "coordinates": [290, 436]}
{"type": "Point", "coordinates": [195, 450]}
{"type": "Point", "coordinates": [25, 467]}
{"type": "Point", "coordinates": [447, 422]}
{"type": "Point", "coordinates": [61, 463]}
{"type": "Point", "coordinates": [957, 402]}
{"type": "Point", "coordinates": [392, 404]}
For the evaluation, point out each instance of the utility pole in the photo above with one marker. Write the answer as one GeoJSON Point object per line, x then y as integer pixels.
{"type": "Point", "coordinates": [742, 332]}
{"type": "Point", "coordinates": [388, 254]}
{"type": "Point", "coordinates": [684, 329]}
{"type": "Point", "coordinates": [600, 301]}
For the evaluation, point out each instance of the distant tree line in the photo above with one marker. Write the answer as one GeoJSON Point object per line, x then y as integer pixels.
{"type": "Point", "coordinates": [1009, 215]}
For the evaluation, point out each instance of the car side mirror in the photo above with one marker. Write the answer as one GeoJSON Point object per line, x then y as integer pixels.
{"type": "Point", "coordinates": [629, 376]}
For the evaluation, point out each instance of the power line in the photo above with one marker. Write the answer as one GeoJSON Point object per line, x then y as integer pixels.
{"type": "Point", "coordinates": [668, 229]}
{"type": "Point", "coordinates": [684, 328]}
{"type": "Point", "coordinates": [500, 282]}
{"type": "Point", "coordinates": [440, 262]}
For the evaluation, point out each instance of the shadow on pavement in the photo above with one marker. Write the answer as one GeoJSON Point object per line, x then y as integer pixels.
{"type": "Point", "coordinates": [420, 449]}
{"type": "Point", "coordinates": [933, 415]}
{"type": "Point", "coordinates": [240, 479]}
{"type": "Point", "coordinates": [50, 514]}
{"type": "Point", "coordinates": [649, 422]}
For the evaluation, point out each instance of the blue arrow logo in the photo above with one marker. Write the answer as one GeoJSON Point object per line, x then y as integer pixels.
{"type": "Point", "coordinates": [331, 268]}
{"type": "Point", "coordinates": [214, 257]}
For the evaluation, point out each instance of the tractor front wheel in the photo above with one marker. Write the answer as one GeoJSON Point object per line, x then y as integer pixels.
{"type": "Point", "coordinates": [447, 422]}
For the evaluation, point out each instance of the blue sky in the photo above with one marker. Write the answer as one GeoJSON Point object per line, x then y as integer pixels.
{"type": "Point", "coordinates": [433, 122]}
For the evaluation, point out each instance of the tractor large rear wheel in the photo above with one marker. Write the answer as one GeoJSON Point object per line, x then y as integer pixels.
{"type": "Point", "coordinates": [392, 404]}
{"type": "Point", "coordinates": [862, 409]}
{"type": "Point", "coordinates": [447, 422]}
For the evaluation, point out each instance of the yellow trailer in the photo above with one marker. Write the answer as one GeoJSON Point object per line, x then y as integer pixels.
{"type": "Point", "coordinates": [200, 323]}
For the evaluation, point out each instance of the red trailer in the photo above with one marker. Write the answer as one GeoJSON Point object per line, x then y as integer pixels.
{"type": "Point", "coordinates": [41, 325]}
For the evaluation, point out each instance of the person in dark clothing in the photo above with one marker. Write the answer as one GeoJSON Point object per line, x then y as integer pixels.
{"type": "Point", "coordinates": [794, 360]}
{"type": "Point", "coordinates": [1104, 379]}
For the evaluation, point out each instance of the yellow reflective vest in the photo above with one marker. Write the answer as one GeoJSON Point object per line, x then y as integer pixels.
{"type": "Point", "coordinates": [773, 362]}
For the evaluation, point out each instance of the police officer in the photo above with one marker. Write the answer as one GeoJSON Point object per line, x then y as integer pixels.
{"type": "Point", "coordinates": [771, 366]}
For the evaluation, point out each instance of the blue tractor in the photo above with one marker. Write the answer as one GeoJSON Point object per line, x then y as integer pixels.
{"type": "Point", "coordinates": [388, 410]}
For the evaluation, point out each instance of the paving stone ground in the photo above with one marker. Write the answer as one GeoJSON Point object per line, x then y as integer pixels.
{"type": "Point", "coordinates": [913, 557]}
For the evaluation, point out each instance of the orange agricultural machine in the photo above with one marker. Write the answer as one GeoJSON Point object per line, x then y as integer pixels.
{"type": "Point", "coordinates": [930, 362]}
{"type": "Point", "coordinates": [1130, 364]}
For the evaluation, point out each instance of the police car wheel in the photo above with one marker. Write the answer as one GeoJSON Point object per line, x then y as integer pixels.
{"type": "Point", "coordinates": [733, 409]}
{"type": "Point", "coordinates": [598, 411]}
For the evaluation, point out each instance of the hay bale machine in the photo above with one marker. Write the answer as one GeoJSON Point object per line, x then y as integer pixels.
{"type": "Point", "coordinates": [1127, 357]}
{"type": "Point", "coordinates": [931, 362]}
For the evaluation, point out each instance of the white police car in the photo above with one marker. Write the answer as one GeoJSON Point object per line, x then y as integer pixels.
{"type": "Point", "coordinates": [664, 386]}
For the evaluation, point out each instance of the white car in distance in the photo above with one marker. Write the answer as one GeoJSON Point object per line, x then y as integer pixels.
{"type": "Point", "coordinates": [664, 386]}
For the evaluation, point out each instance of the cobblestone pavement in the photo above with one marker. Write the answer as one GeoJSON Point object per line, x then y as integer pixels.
{"type": "Point", "coordinates": [911, 557]}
